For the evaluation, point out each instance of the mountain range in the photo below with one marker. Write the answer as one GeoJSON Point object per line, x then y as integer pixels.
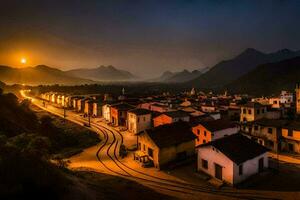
{"type": "Point", "coordinates": [229, 70]}
{"type": "Point", "coordinates": [268, 79]}
{"type": "Point", "coordinates": [178, 77]}
{"type": "Point", "coordinates": [38, 75]}
{"type": "Point", "coordinates": [103, 73]}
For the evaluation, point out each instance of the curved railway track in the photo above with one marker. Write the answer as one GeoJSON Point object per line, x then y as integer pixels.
{"type": "Point", "coordinates": [153, 181]}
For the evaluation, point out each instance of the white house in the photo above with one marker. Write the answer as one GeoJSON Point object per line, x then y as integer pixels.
{"type": "Point", "coordinates": [139, 120]}
{"type": "Point", "coordinates": [232, 159]}
{"type": "Point", "coordinates": [106, 112]}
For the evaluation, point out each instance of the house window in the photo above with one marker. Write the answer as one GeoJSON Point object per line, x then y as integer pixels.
{"type": "Point", "coordinates": [144, 119]}
{"type": "Point", "coordinates": [144, 147]}
{"type": "Point", "coordinates": [204, 164]}
{"type": "Point", "coordinates": [263, 110]}
{"type": "Point", "coordinates": [290, 133]}
{"type": "Point", "coordinates": [249, 112]}
{"type": "Point", "coordinates": [198, 131]}
{"type": "Point", "coordinates": [205, 133]}
{"type": "Point", "coordinates": [138, 119]}
{"type": "Point", "coordinates": [244, 111]}
{"type": "Point", "coordinates": [270, 130]}
{"type": "Point", "coordinates": [150, 152]}
{"type": "Point", "coordinates": [256, 128]}
{"type": "Point", "coordinates": [204, 141]}
{"type": "Point", "coordinates": [139, 146]}
{"type": "Point", "coordinates": [240, 169]}
{"type": "Point", "coordinates": [197, 139]}
{"type": "Point", "coordinates": [257, 111]}
{"type": "Point", "coordinates": [250, 130]}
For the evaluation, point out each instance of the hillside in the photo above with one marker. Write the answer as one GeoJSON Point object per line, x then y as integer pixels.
{"type": "Point", "coordinates": [226, 71]}
{"type": "Point", "coordinates": [177, 77]}
{"type": "Point", "coordinates": [102, 73]}
{"type": "Point", "coordinates": [269, 78]}
{"type": "Point", "coordinates": [39, 75]}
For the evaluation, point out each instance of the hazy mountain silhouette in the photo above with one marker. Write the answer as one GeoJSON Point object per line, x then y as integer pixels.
{"type": "Point", "coordinates": [39, 75]}
{"type": "Point", "coordinates": [102, 73]}
{"type": "Point", "coordinates": [226, 71]}
{"type": "Point", "coordinates": [178, 77]}
{"type": "Point", "coordinates": [269, 78]}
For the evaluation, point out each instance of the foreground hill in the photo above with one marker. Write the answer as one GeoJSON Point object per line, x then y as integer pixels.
{"type": "Point", "coordinates": [102, 73]}
{"type": "Point", "coordinates": [39, 75]}
{"type": "Point", "coordinates": [269, 78]}
{"type": "Point", "coordinates": [226, 71]}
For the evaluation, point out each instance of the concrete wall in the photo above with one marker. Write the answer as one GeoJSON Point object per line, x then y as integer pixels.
{"type": "Point", "coordinates": [213, 156]}
{"type": "Point", "coordinates": [138, 123]}
{"type": "Point", "coordinates": [250, 167]}
{"type": "Point", "coordinates": [169, 154]}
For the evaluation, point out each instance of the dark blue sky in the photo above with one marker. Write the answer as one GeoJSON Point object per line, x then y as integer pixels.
{"type": "Point", "coordinates": [143, 36]}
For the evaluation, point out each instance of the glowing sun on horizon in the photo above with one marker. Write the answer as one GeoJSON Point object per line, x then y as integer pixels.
{"type": "Point", "coordinates": [23, 60]}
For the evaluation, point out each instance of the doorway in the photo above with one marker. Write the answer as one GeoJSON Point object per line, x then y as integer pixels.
{"type": "Point", "coordinates": [260, 164]}
{"type": "Point", "coordinates": [218, 171]}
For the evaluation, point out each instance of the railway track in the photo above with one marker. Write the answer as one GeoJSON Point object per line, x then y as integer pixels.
{"type": "Point", "coordinates": [150, 180]}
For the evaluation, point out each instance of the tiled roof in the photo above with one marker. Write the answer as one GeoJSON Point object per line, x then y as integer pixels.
{"type": "Point", "coordinates": [237, 148]}
{"type": "Point", "coordinates": [140, 111]}
{"type": "Point", "coordinates": [216, 125]}
{"type": "Point", "coordinates": [170, 134]}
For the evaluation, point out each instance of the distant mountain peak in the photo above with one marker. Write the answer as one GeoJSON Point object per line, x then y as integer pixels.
{"type": "Point", "coordinates": [250, 52]}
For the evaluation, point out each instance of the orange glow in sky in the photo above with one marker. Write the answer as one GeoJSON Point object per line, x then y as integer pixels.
{"type": "Point", "coordinates": [23, 60]}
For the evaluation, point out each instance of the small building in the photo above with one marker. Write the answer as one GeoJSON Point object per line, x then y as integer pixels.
{"type": "Point", "coordinates": [291, 137]}
{"type": "Point", "coordinates": [171, 117]}
{"type": "Point", "coordinates": [118, 114]}
{"type": "Point", "coordinates": [106, 112]}
{"type": "Point", "coordinates": [88, 107]}
{"type": "Point", "coordinates": [139, 120]}
{"type": "Point", "coordinates": [266, 132]}
{"type": "Point", "coordinates": [207, 131]}
{"type": "Point", "coordinates": [286, 97]}
{"type": "Point", "coordinates": [232, 159]}
{"type": "Point", "coordinates": [167, 143]}
{"type": "Point", "coordinates": [252, 111]}
{"type": "Point", "coordinates": [97, 108]}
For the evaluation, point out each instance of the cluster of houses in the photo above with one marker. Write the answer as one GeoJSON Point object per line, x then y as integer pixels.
{"type": "Point", "coordinates": [228, 135]}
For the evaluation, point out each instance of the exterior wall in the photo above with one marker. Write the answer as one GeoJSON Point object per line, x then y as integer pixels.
{"type": "Point", "coordinates": [164, 119]}
{"type": "Point", "coordinates": [161, 120]}
{"type": "Point", "coordinates": [106, 112]}
{"type": "Point", "coordinates": [169, 154]}
{"type": "Point", "coordinates": [275, 102]}
{"type": "Point", "coordinates": [262, 135]}
{"type": "Point", "coordinates": [297, 99]}
{"type": "Point", "coordinates": [250, 168]}
{"type": "Point", "coordinates": [251, 114]}
{"type": "Point", "coordinates": [213, 156]}
{"type": "Point", "coordinates": [290, 141]}
{"type": "Point", "coordinates": [97, 110]}
{"type": "Point", "coordinates": [145, 142]}
{"type": "Point", "coordinates": [138, 123]}
{"type": "Point", "coordinates": [225, 132]}
{"type": "Point", "coordinates": [114, 116]}
{"type": "Point", "coordinates": [204, 136]}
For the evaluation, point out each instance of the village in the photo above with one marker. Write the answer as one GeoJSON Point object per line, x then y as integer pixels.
{"type": "Point", "coordinates": [230, 138]}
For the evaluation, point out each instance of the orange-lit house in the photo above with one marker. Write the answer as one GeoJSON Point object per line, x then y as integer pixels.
{"type": "Point", "coordinates": [165, 144]}
{"type": "Point", "coordinates": [171, 117]}
{"type": "Point", "coordinates": [119, 114]}
{"type": "Point", "coordinates": [208, 131]}
{"type": "Point", "coordinates": [290, 141]}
